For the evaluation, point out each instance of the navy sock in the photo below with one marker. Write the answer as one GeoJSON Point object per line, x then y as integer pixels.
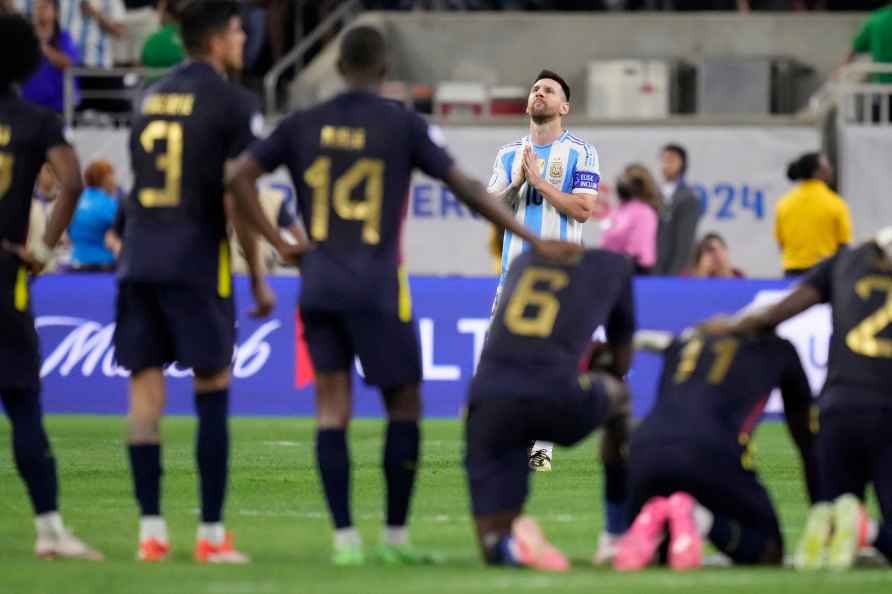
{"type": "Point", "coordinates": [31, 449]}
{"type": "Point", "coordinates": [212, 451]}
{"type": "Point", "coordinates": [883, 542]}
{"type": "Point", "coordinates": [145, 464]}
{"type": "Point", "coordinates": [615, 481]}
{"type": "Point", "coordinates": [333, 461]}
{"type": "Point", "coordinates": [400, 466]}
{"type": "Point", "coordinates": [744, 545]}
{"type": "Point", "coordinates": [502, 552]}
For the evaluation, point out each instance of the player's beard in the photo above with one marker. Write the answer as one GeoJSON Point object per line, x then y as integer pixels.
{"type": "Point", "coordinates": [542, 115]}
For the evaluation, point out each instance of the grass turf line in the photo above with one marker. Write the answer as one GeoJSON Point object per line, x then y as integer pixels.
{"type": "Point", "coordinates": [276, 509]}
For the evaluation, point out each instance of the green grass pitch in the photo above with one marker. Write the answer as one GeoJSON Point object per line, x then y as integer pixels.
{"type": "Point", "coordinates": [276, 509]}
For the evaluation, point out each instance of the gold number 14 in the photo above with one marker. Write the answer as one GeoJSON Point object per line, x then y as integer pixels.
{"type": "Point", "coordinates": [368, 210]}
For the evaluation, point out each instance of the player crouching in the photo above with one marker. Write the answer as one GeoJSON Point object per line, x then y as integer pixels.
{"type": "Point", "coordinates": [527, 387]}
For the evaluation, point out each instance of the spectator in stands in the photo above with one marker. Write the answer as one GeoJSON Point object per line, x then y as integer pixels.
{"type": "Point", "coordinates": [141, 20]}
{"type": "Point", "coordinates": [47, 86]}
{"type": "Point", "coordinates": [632, 227]}
{"type": "Point", "coordinates": [7, 6]}
{"type": "Point", "coordinates": [811, 221]}
{"type": "Point", "coordinates": [711, 258]}
{"type": "Point", "coordinates": [164, 48]}
{"type": "Point", "coordinates": [95, 25]}
{"type": "Point", "coordinates": [45, 191]}
{"type": "Point", "coordinates": [875, 38]}
{"type": "Point", "coordinates": [679, 215]}
{"type": "Point", "coordinates": [93, 217]}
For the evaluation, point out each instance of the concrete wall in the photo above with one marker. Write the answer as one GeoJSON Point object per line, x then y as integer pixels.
{"type": "Point", "coordinates": [508, 48]}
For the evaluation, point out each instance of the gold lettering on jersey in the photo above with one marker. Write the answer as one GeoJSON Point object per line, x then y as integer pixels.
{"type": "Point", "coordinates": [5, 135]}
{"type": "Point", "coordinates": [174, 104]}
{"type": "Point", "coordinates": [342, 138]}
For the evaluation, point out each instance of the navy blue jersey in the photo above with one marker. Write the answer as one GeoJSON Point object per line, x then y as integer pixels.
{"type": "Point", "coordinates": [713, 389]}
{"type": "Point", "coordinates": [189, 124]}
{"type": "Point", "coordinates": [351, 159]}
{"type": "Point", "coordinates": [27, 132]}
{"type": "Point", "coordinates": [857, 283]}
{"type": "Point", "coordinates": [549, 311]}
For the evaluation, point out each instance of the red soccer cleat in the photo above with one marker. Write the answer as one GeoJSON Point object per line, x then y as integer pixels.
{"type": "Point", "coordinates": [685, 542]}
{"type": "Point", "coordinates": [224, 553]}
{"type": "Point", "coordinates": [533, 550]}
{"type": "Point", "coordinates": [640, 543]}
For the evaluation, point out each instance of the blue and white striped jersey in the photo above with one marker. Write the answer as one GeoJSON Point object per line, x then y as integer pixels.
{"type": "Point", "coordinates": [570, 164]}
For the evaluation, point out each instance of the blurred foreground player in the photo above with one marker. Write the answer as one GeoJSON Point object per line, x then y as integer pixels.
{"type": "Point", "coordinates": [351, 159]}
{"type": "Point", "coordinates": [174, 284]}
{"type": "Point", "coordinates": [854, 441]}
{"type": "Point", "coordinates": [527, 386]}
{"type": "Point", "coordinates": [691, 462]}
{"type": "Point", "coordinates": [29, 137]}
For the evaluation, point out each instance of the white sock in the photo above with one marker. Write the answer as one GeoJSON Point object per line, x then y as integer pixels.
{"type": "Point", "coordinates": [213, 533]}
{"type": "Point", "coordinates": [153, 527]}
{"type": "Point", "coordinates": [49, 524]}
{"type": "Point", "coordinates": [703, 518]}
{"type": "Point", "coordinates": [395, 535]}
{"type": "Point", "coordinates": [872, 532]}
{"type": "Point", "coordinates": [544, 445]}
{"type": "Point", "coordinates": [347, 537]}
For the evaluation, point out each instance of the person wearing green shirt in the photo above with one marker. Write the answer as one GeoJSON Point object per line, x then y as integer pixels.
{"type": "Point", "coordinates": [164, 48]}
{"type": "Point", "coordinates": [875, 38]}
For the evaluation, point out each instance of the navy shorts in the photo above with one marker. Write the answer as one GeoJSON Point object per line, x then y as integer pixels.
{"type": "Point", "coordinates": [714, 477]}
{"type": "Point", "coordinates": [157, 324]}
{"type": "Point", "coordinates": [500, 429]}
{"type": "Point", "coordinates": [386, 346]}
{"type": "Point", "coordinates": [854, 450]}
{"type": "Point", "coordinates": [19, 348]}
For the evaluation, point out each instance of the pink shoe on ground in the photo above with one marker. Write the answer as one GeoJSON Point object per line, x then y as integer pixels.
{"type": "Point", "coordinates": [640, 543]}
{"type": "Point", "coordinates": [685, 542]}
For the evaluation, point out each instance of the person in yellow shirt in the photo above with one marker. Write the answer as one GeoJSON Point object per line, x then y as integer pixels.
{"type": "Point", "coordinates": [811, 221]}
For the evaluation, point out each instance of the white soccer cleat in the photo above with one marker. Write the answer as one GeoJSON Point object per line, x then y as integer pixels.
{"type": "Point", "coordinates": [540, 461]}
{"type": "Point", "coordinates": [608, 546]}
{"type": "Point", "coordinates": [64, 545]}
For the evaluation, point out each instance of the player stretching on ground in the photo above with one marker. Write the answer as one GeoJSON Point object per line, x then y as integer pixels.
{"type": "Point", "coordinates": [550, 180]}
{"type": "Point", "coordinates": [854, 442]}
{"type": "Point", "coordinates": [690, 462]}
{"type": "Point", "coordinates": [29, 137]}
{"type": "Point", "coordinates": [175, 288]}
{"type": "Point", "coordinates": [527, 385]}
{"type": "Point", "coordinates": [351, 159]}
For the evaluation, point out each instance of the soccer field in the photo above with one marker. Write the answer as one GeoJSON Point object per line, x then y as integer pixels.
{"type": "Point", "coordinates": [277, 511]}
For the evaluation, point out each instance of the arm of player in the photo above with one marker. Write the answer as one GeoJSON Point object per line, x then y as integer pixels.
{"type": "Point", "coordinates": [577, 206]}
{"type": "Point", "coordinates": [264, 298]}
{"type": "Point", "coordinates": [653, 341]}
{"type": "Point", "coordinates": [474, 195]}
{"type": "Point", "coordinates": [798, 408]}
{"type": "Point", "coordinates": [241, 181]}
{"type": "Point", "coordinates": [803, 297]}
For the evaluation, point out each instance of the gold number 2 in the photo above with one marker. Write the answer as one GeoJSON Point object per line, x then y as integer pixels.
{"type": "Point", "coordinates": [171, 163]}
{"type": "Point", "coordinates": [527, 296]}
{"type": "Point", "coordinates": [6, 163]}
{"type": "Point", "coordinates": [724, 351]}
{"type": "Point", "coordinates": [862, 339]}
{"type": "Point", "coordinates": [368, 210]}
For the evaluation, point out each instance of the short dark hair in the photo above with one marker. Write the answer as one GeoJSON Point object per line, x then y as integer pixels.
{"type": "Point", "coordinates": [551, 74]}
{"type": "Point", "coordinates": [17, 39]}
{"type": "Point", "coordinates": [201, 19]}
{"type": "Point", "coordinates": [805, 167]}
{"type": "Point", "coordinates": [682, 154]}
{"type": "Point", "coordinates": [362, 49]}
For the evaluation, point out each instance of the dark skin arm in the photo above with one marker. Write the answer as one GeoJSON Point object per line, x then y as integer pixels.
{"type": "Point", "coordinates": [803, 297]}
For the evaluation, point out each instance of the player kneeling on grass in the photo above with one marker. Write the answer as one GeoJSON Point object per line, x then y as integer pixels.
{"type": "Point", "coordinates": [690, 462]}
{"type": "Point", "coordinates": [527, 387]}
{"type": "Point", "coordinates": [854, 442]}
{"type": "Point", "coordinates": [29, 137]}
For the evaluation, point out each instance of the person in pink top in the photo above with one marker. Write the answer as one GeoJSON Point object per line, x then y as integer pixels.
{"type": "Point", "coordinates": [632, 227]}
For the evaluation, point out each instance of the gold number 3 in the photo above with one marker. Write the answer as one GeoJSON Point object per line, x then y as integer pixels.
{"type": "Point", "coordinates": [862, 339]}
{"type": "Point", "coordinates": [6, 162]}
{"type": "Point", "coordinates": [171, 163]}
{"type": "Point", "coordinates": [527, 296]}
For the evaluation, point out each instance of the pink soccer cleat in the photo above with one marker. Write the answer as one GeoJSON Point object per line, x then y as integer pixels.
{"type": "Point", "coordinates": [640, 543]}
{"type": "Point", "coordinates": [533, 550]}
{"type": "Point", "coordinates": [685, 542]}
